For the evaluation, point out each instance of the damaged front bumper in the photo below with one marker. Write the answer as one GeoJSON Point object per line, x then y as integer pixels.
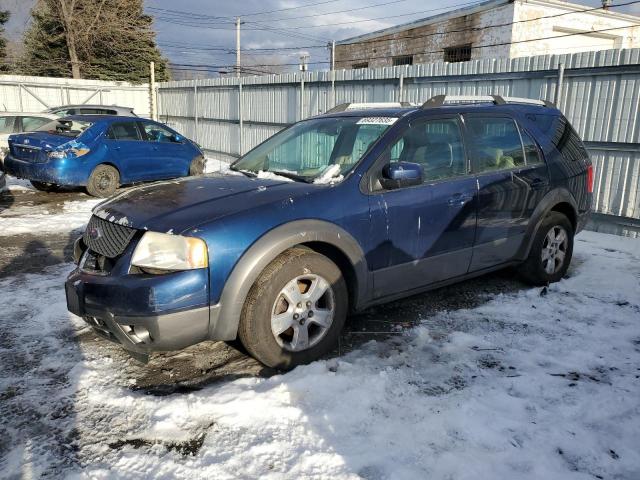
{"type": "Point", "coordinates": [143, 313]}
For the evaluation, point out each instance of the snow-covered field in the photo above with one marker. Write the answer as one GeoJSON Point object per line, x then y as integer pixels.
{"type": "Point", "coordinates": [534, 384]}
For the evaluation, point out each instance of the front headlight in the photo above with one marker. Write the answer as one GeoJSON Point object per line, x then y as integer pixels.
{"type": "Point", "coordinates": [162, 251]}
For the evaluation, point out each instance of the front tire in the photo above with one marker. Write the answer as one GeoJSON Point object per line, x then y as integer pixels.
{"type": "Point", "coordinates": [103, 182]}
{"type": "Point", "coordinates": [295, 311]}
{"type": "Point", "coordinates": [197, 166]}
{"type": "Point", "coordinates": [551, 252]}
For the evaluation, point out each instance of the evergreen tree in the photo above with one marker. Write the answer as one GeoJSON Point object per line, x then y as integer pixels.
{"type": "Point", "coordinates": [98, 39]}
{"type": "Point", "coordinates": [4, 65]}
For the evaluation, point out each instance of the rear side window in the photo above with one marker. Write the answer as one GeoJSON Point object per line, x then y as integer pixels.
{"type": "Point", "coordinates": [6, 125]}
{"type": "Point", "coordinates": [531, 152]}
{"type": "Point", "coordinates": [124, 131]}
{"type": "Point", "coordinates": [495, 142]}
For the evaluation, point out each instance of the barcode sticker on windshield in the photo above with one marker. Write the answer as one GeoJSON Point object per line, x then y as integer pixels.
{"type": "Point", "coordinates": [377, 121]}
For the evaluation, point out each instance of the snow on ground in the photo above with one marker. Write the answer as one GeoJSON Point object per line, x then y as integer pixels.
{"type": "Point", "coordinates": [535, 384]}
{"type": "Point", "coordinates": [29, 218]}
{"type": "Point", "coordinates": [15, 184]}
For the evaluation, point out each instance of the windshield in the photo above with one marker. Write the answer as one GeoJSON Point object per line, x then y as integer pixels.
{"type": "Point", "coordinates": [67, 128]}
{"type": "Point", "coordinates": [320, 150]}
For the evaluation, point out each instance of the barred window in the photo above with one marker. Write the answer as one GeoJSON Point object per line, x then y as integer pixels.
{"type": "Point", "coordinates": [356, 66]}
{"type": "Point", "coordinates": [403, 60]}
{"type": "Point", "coordinates": [459, 53]}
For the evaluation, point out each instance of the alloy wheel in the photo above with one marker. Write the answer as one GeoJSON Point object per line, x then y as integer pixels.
{"type": "Point", "coordinates": [303, 312]}
{"type": "Point", "coordinates": [554, 249]}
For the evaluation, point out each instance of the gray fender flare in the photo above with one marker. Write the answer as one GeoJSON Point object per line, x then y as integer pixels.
{"type": "Point", "coordinates": [550, 200]}
{"type": "Point", "coordinates": [225, 316]}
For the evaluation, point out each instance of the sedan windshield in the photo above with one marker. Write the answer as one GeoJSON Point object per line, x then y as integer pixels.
{"type": "Point", "coordinates": [65, 127]}
{"type": "Point", "coordinates": [318, 150]}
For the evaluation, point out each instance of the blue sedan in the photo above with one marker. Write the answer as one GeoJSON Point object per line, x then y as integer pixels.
{"type": "Point", "coordinates": [101, 153]}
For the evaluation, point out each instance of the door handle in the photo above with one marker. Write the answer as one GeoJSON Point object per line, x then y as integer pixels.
{"type": "Point", "coordinates": [458, 200]}
{"type": "Point", "coordinates": [538, 182]}
{"type": "Point", "coordinates": [116, 148]}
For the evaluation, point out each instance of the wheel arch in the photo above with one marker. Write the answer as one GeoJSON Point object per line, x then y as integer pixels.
{"type": "Point", "coordinates": [323, 237]}
{"type": "Point", "coordinates": [557, 200]}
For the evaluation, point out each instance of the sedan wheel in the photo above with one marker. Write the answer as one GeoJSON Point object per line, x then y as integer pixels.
{"type": "Point", "coordinates": [554, 249]}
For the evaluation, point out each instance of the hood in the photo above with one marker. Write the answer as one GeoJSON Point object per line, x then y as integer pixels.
{"type": "Point", "coordinates": [43, 140]}
{"type": "Point", "coordinates": [178, 205]}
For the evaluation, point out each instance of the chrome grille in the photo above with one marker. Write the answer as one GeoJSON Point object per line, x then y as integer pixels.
{"type": "Point", "coordinates": [107, 238]}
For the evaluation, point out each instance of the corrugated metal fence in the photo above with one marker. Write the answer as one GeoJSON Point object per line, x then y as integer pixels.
{"type": "Point", "coordinates": [598, 91]}
{"type": "Point", "coordinates": [35, 94]}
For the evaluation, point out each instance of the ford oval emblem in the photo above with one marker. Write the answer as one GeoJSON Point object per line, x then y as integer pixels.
{"type": "Point", "coordinates": [94, 233]}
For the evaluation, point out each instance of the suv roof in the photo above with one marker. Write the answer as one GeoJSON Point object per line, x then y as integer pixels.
{"type": "Point", "coordinates": [462, 102]}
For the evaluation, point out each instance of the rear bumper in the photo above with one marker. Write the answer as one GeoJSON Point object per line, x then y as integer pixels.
{"type": "Point", "coordinates": [58, 172]}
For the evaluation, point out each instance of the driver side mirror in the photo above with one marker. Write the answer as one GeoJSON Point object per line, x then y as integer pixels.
{"type": "Point", "coordinates": [401, 174]}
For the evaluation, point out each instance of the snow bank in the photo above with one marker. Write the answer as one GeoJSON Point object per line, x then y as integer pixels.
{"type": "Point", "coordinates": [532, 384]}
{"type": "Point", "coordinates": [29, 218]}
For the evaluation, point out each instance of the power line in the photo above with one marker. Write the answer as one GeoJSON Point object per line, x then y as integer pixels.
{"type": "Point", "coordinates": [437, 51]}
{"type": "Point", "coordinates": [468, 4]}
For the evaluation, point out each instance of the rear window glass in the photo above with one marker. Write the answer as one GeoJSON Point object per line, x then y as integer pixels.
{"type": "Point", "coordinates": [65, 127]}
{"type": "Point", "coordinates": [6, 125]}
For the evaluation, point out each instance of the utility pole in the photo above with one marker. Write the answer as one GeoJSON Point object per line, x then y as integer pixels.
{"type": "Point", "coordinates": [238, 64]}
{"type": "Point", "coordinates": [333, 73]}
{"type": "Point", "coordinates": [153, 99]}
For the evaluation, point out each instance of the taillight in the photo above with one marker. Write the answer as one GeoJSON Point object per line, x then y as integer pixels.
{"type": "Point", "coordinates": [590, 179]}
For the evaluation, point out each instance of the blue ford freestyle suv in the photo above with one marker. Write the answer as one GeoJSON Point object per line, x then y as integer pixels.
{"type": "Point", "coordinates": [331, 215]}
{"type": "Point", "coordinates": [101, 152]}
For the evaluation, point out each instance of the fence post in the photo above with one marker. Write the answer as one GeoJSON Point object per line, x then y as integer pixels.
{"type": "Point", "coordinates": [240, 117]}
{"type": "Point", "coordinates": [20, 97]}
{"type": "Point", "coordinates": [401, 88]}
{"type": "Point", "coordinates": [152, 87]}
{"type": "Point", "coordinates": [559, 83]}
{"type": "Point", "coordinates": [195, 109]}
{"type": "Point", "coordinates": [301, 95]}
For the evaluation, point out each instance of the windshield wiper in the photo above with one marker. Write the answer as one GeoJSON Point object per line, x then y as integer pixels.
{"type": "Point", "coordinates": [244, 172]}
{"type": "Point", "coordinates": [292, 176]}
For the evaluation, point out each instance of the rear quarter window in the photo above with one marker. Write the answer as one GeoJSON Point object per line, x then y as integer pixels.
{"type": "Point", "coordinates": [562, 135]}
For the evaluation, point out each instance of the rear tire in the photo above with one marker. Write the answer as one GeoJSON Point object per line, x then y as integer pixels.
{"type": "Point", "coordinates": [197, 166]}
{"type": "Point", "coordinates": [551, 252]}
{"type": "Point", "coordinates": [103, 182]}
{"type": "Point", "coordinates": [295, 311]}
{"type": "Point", "coordinates": [44, 186]}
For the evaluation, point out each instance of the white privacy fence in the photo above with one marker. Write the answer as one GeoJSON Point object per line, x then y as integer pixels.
{"type": "Point", "coordinates": [35, 94]}
{"type": "Point", "coordinates": [598, 91]}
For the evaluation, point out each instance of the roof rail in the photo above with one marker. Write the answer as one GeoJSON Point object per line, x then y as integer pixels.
{"type": "Point", "coordinates": [343, 107]}
{"type": "Point", "coordinates": [440, 100]}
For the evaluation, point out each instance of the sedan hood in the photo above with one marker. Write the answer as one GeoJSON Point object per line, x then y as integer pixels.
{"type": "Point", "coordinates": [178, 205]}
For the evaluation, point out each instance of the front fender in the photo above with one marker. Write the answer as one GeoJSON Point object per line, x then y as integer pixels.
{"type": "Point", "coordinates": [225, 316]}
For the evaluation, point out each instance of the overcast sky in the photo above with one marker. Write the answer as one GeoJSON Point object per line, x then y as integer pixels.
{"type": "Point", "coordinates": [204, 28]}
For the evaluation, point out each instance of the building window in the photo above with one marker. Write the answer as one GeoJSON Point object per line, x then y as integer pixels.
{"type": "Point", "coordinates": [403, 60]}
{"type": "Point", "coordinates": [459, 53]}
{"type": "Point", "coordinates": [356, 66]}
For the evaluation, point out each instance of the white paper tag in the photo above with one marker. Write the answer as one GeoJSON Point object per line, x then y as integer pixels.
{"type": "Point", "coordinates": [377, 121]}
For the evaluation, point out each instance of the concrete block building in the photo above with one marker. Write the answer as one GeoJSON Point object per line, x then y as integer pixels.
{"type": "Point", "coordinates": [496, 28]}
